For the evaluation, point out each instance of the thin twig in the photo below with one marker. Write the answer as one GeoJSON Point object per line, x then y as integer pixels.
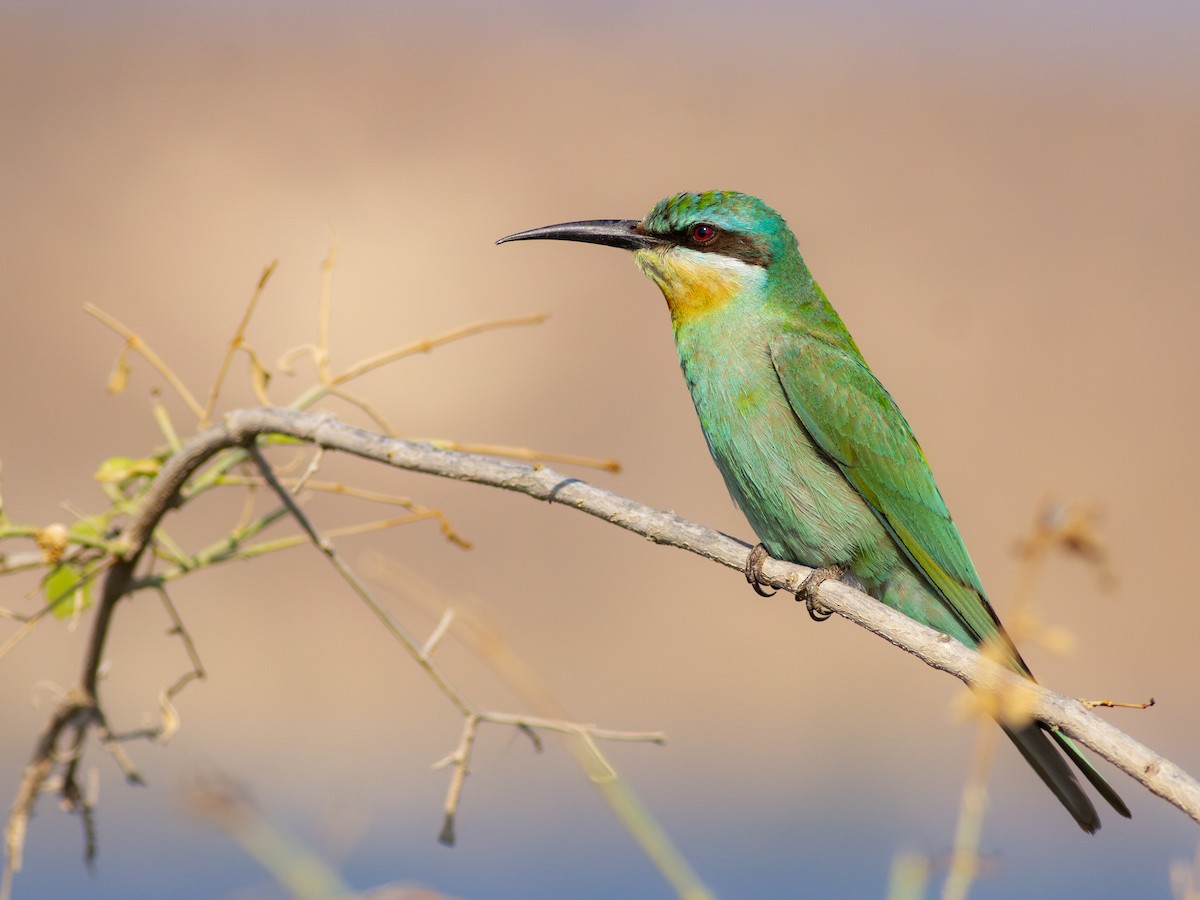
{"type": "Point", "coordinates": [325, 314]}
{"type": "Point", "coordinates": [314, 465]}
{"type": "Point", "coordinates": [366, 406]}
{"type": "Point", "coordinates": [165, 425]}
{"type": "Point", "coordinates": [528, 453]}
{"type": "Point", "coordinates": [439, 632]}
{"type": "Point", "coordinates": [236, 342]}
{"type": "Point", "coordinates": [419, 512]}
{"type": "Point", "coordinates": [20, 562]}
{"type": "Point", "coordinates": [1117, 704]}
{"type": "Point", "coordinates": [461, 760]}
{"type": "Point", "coordinates": [170, 717]}
{"type": "Point", "coordinates": [424, 345]}
{"type": "Point", "coordinates": [135, 343]}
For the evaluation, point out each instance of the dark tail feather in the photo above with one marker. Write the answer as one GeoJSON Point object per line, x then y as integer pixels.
{"type": "Point", "coordinates": [1089, 772]}
{"type": "Point", "coordinates": [1045, 759]}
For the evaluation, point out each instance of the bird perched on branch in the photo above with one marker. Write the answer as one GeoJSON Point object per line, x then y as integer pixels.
{"type": "Point", "coordinates": [812, 447]}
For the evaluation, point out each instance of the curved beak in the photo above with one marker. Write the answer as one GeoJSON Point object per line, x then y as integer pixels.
{"type": "Point", "coordinates": [623, 233]}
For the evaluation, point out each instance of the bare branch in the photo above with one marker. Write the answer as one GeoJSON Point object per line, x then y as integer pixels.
{"type": "Point", "coordinates": [937, 650]}
{"type": "Point", "coordinates": [61, 741]}
{"type": "Point", "coordinates": [460, 759]}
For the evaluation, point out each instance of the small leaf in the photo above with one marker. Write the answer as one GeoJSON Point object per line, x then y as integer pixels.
{"type": "Point", "coordinates": [280, 439]}
{"type": "Point", "coordinates": [88, 531]}
{"type": "Point", "coordinates": [65, 588]}
{"type": "Point", "coordinates": [116, 469]}
{"type": "Point", "coordinates": [260, 377]}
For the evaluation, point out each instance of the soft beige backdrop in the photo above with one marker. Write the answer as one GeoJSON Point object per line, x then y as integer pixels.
{"type": "Point", "coordinates": [1008, 223]}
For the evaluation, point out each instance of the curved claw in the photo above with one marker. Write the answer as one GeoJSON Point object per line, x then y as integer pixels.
{"type": "Point", "coordinates": [808, 590]}
{"type": "Point", "coordinates": [754, 572]}
{"type": "Point", "coordinates": [816, 611]}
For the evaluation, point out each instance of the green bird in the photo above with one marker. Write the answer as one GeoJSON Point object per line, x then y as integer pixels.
{"type": "Point", "coordinates": [812, 447]}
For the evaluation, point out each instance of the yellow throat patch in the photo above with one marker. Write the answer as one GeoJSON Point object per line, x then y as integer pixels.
{"type": "Point", "coordinates": [697, 283]}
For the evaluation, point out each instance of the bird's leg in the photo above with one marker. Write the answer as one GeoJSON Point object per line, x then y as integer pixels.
{"type": "Point", "coordinates": [808, 590]}
{"type": "Point", "coordinates": [754, 572]}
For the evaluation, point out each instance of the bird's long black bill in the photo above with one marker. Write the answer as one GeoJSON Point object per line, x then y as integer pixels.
{"type": "Point", "coordinates": [621, 233]}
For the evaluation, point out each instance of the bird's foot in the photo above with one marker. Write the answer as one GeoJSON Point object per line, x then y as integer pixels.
{"type": "Point", "coordinates": [809, 586]}
{"type": "Point", "coordinates": [754, 572]}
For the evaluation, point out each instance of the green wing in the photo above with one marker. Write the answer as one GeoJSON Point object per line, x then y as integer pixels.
{"type": "Point", "coordinates": [854, 420]}
{"type": "Point", "coordinates": [851, 417]}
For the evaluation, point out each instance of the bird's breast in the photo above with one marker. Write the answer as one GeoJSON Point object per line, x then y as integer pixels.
{"type": "Point", "coordinates": [796, 500]}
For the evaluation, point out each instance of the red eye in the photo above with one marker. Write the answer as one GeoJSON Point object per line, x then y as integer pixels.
{"type": "Point", "coordinates": [702, 232]}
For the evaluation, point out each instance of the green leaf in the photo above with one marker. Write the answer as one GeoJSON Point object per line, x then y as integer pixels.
{"type": "Point", "coordinates": [65, 588]}
{"type": "Point", "coordinates": [116, 469]}
{"type": "Point", "coordinates": [268, 439]}
{"type": "Point", "coordinates": [89, 531]}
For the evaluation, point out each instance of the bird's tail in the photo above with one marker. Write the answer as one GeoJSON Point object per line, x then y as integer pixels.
{"type": "Point", "coordinates": [1034, 742]}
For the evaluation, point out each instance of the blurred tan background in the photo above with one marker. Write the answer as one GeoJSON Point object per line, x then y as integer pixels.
{"type": "Point", "coordinates": [1003, 204]}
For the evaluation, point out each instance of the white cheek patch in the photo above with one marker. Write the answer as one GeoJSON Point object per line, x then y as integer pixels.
{"type": "Point", "coordinates": [743, 271]}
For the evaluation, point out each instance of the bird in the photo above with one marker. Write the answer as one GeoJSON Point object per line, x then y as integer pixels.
{"type": "Point", "coordinates": [812, 447]}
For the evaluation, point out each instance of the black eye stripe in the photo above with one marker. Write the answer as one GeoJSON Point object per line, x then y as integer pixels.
{"type": "Point", "coordinates": [727, 243]}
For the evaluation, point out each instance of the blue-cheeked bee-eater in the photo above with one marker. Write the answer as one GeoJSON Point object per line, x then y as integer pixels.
{"type": "Point", "coordinates": [812, 447]}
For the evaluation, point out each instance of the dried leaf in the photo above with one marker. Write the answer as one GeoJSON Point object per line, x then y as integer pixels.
{"type": "Point", "coordinates": [118, 378]}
